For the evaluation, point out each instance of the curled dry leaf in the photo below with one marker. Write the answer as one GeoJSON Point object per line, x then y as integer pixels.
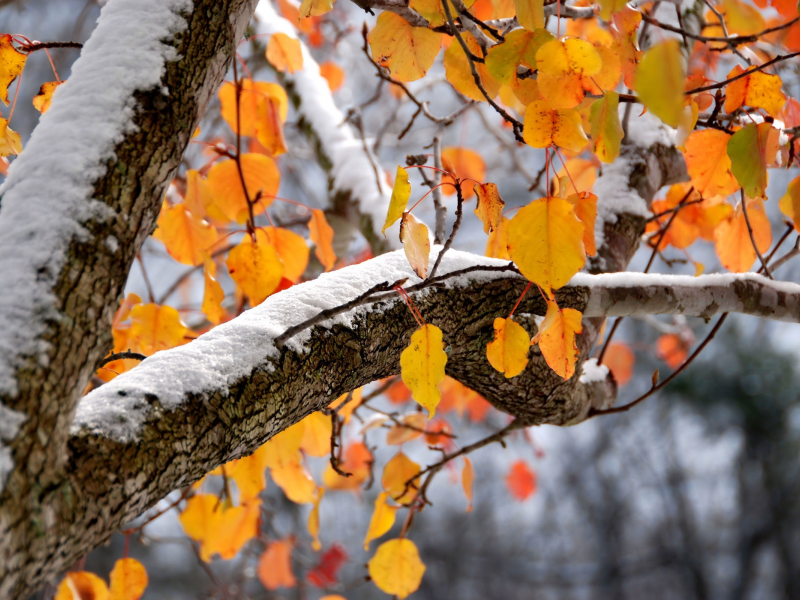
{"type": "Point", "coordinates": [42, 100]}
{"type": "Point", "coordinates": [416, 244]}
{"type": "Point", "coordinates": [489, 206]}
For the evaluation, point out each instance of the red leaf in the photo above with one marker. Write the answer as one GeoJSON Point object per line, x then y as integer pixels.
{"type": "Point", "coordinates": [324, 574]}
{"type": "Point", "coordinates": [521, 481]}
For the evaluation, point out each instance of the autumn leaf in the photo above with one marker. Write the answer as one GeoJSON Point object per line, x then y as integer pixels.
{"type": "Point", "coordinates": [346, 404]}
{"type": "Point", "coordinates": [619, 359]}
{"type": "Point", "coordinates": [128, 579]}
{"type": "Point", "coordinates": [545, 240]}
{"type": "Point", "coordinates": [659, 81]}
{"type": "Point", "coordinates": [248, 473]}
{"type": "Point", "coordinates": [422, 366]}
{"type": "Point", "coordinates": [199, 199]}
{"type": "Point", "coordinates": [521, 481]}
{"type": "Point", "coordinates": [790, 202]}
{"type": "Point", "coordinates": [313, 520]}
{"type": "Point", "coordinates": [186, 236]}
{"type": "Point", "coordinates": [269, 127]}
{"type": "Point", "coordinates": [292, 250]}
{"type": "Point", "coordinates": [333, 74]}
{"type": "Point", "coordinates": [410, 428]}
{"type": "Point", "coordinates": [465, 164]}
{"type": "Point", "coordinates": [610, 7]}
{"type": "Point", "coordinates": [261, 177]}
{"type": "Point", "coordinates": [201, 520]}
{"type": "Point", "coordinates": [400, 195]}
{"type": "Point", "coordinates": [397, 472]}
{"type": "Point", "coordinates": [467, 479]}
{"type": "Point", "coordinates": [547, 126]}
{"type": "Point", "coordinates": [155, 328]}
{"type": "Point", "coordinates": [296, 482]}
{"type": "Point", "coordinates": [562, 67]}
{"type": "Point", "coordinates": [284, 53]}
{"type": "Point", "coordinates": [321, 233]}
{"type": "Point", "coordinates": [383, 517]}
{"type": "Point", "coordinates": [519, 48]}
{"type": "Point", "coordinates": [314, 8]}
{"type": "Point", "coordinates": [607, 131]}
{"type": "Point", "coordinates": [325, 574]}
{"type": "Point", "coordinates": [255, 267]}
{"type": "Point", "coordinates": [396, 567]}
{"type": "Point", "coordinates": [489, 207]}
{"type": "Point", "coordinates": [252, 96]}
{"type": "Point", "coordinates": [316, 439]}
{"type": "Point", "coordinates": [11, 64]}
{"type": "Point", "coordinates": [459, 73]}
{"type": "Point", "coordinates": [751, 150]}
{"type": "Point", "coordinates": [626, 24]}
{"type": "Point", "coordinates": [82, 585]}
{"type": "Point", "coordinates": [708, 163]}
{"type": "Point", "coordinates": [530, 13]}
{"type": "Point", "coordinates": [585, 205]}
{"type": "Point", "coordinates": [757, 90]}
{"type": "Point", "coordinates": [556, 338]}
{"type": "Point", "coordinates": [416, 244]}
{"type": "Point", "coordinates": [357, 461]}
{"type": "Point", "coordinates": [672, 349]}
{"type": "Point", "coordinates": [42, 100]}
{"type": "Point", "coordinates": [508, 351]}
{"type": "Point", "coordinates": [10, 142]}
{"type": "Point", "coordinates": [497, 244]}
{"type": "Point", "coordinates": [408, 52]}
{"type": "Point", "coordinates": [275, 565]}
{"type": "Point", "coordinates": [284, 447]}
{"type": "Point", "coordinates": [732, 238]}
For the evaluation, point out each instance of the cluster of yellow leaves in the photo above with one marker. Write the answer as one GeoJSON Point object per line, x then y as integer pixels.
{"type": "Point", "coordinates": [128, 582]}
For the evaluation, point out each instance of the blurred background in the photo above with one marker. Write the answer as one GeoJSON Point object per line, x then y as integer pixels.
{"type": "Point", "coordinates": [692, 495]}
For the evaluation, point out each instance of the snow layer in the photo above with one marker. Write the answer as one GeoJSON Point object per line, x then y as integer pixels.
{"type": "Point", "coordinates": [592, 372]}
{"type": "Point", "coordinates": [47, 197]}
{"type": "Point", "coordinates": [232, 350]}
{"type": "Point", "coordinates": [352, 169]}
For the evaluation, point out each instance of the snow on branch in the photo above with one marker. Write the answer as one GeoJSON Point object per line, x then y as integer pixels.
{"type": "Point", "coordinates": [353, 167]}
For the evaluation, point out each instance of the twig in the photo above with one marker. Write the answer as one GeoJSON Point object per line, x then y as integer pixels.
{"type": "Point", "coordinates": [456, 225]}
{"type": "Point", "coordinates": [28, 48]}
{"type": "Point", "coordinates": [752, 237]}
{"type": "Point", "coordinates": [120, 356]}
{"type": "Point", "coordinates": [721, 84]}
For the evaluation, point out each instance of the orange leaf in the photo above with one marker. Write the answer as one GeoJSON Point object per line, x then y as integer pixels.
{"type": "Point", "coordinates": [408, 52]}
{"type": "Point", "coordinates": [562, 66]}
{"type": "Point", "coordinates": [313, 521]}
{"type": "Point", "coordinates": [497, 244]}
{"type": "Point", "coordinates": [251, 96]}
{"type": "Point", "coordinates": [42, 100]}
{"type": "Point", "coordinates": [292, 250]}
{"type": "Point", "coordinates": [708, 163]}
{"type": "Point", "coordinates": [396, 473]}
{"type": "Point", "coordinates": [248, 473]}
{"type": "Point", "coordinates": [11, 64]}
{"type": "Point", "coordinates": [10, 142]}
{"type": "Point", "coordinates": [464, 164]}
{"type": "Point", "coordinates": [284, 53]}
{"type": "Point", "coordinates": [346, 410]}
{"type": "Point", "coordinates": [790, 202]}
{"type": "Point", "coordinates": [316, 434]}
{"type": "Point", "coordinates": [585, 205]}
{"type": "Point", "coordinates": [237, 526]}
{"type": "Point", "coordinates": [255, 267]}
{"type": "Point", "coordinates": [186, 236]}
{"type": "Point", "coordinates": [732, 238]}
{"type": "Point", "coordinates": [275, 565]}
{"type": "Point", "coordinates": [199, 199]}
{"type": "Point", "coordinates": [296, 482]}
{"type": "Point", "coordinates": [459, 74]}
{"type": "Point", "coordinates": [757, 90]}
{"type": "Point", "coordinates": [333, 74]}
{"type": "Point", "coordinates": [201, 520]}
{"type": "Point", "coordinates": [546, 126]}
{"type": "Point", "coordinates": [357, 461]}
{"type": "Point", "coordinates": [322, 235]}
{"type": "Point", "coordinates": [489, 206]}
{"type": "Point", "coordinates": [213, 295]}
{"type": "Point", "coordinates": [261, 177]}
{"type": "Point", "coordinates": [467, 478]}
{"type": "Point", "coordinates": [672, 349]}
{"type": "Point", "coordinates": [155, 328]}
{"type": "Point", "coordinates": [128, 579]}
{"type": "Point", "coordinates": [270, 127]}
{"type": "Point", "coordinates": [412, 426]}
{"type": "Point", "coordinates": [556, 338]}
{"type": "Point", "coordinates": [82, 585]}
{"type": "Point", "coordinates": [619, 359]}
{"type": "Point", "coordinates": [284, 447]}
{"type": "Point", "coordinates": [521, 481]}
{"type": "Point", "coordinates": [416, 243]}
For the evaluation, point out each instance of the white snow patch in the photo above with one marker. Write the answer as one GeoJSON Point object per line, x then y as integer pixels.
{"type": "Point", "coordinates": [592, 372]}
{"type": "Point", "coordinates": [10, 422]}
{"type": "Point", "coordinates": [352, 168]}
{"type": "Point", "coordinates": [112, 243]}
{"type": "Point", "coordinates": [234, 349]}
{"type": "Point", "coordinates": [47, 197]}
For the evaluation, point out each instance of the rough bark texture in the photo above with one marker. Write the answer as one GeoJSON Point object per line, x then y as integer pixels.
{"type": "Point", "coordinates": [35, 542]}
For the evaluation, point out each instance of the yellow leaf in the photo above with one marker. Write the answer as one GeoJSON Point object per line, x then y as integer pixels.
{"type": "Point", "coordinates": [292, 250]}
{"type": "Point", "coordinates": [10, 142]}
{"type": "Point", "coordinates": [251, 96]}
{"type": "Point", "coordinates": [201, 520]}
{"type": "Point", "coordinates": [255, 267]}
{"type": "Point", "coordinates": [417, 245]}
{"type": "Point", "coordinates": [397, 472]}
{"type": "Point", "coordinates": [758, 90]}
{"type": "Point", "coordinates": [458, 72]}
{"type": "Point", "coordinates": [519, 48]}
{"type": "Point", "coordinates": [609, 7]}
{"type": "Point", "coordinates": [396, 568]}
{"type": "Point", "coordinates": [186, 236]}
{"type": "Point", "coordinates": [546, 126]}
{"type": "Point", "coordinates": [322, 235]}
{"type": "Point", "coordinates": [422, 366]}
{"type": "Point", "coordinates": [313, 521]}
{"type": "Point", "coordinates": [562, 67]}
{"type": "Point", "coordinates": [530, 13]}
{"type": "Point", "coordinates": [199, 199]}
{"type": "Point", "coordinates": [508, 351]}
{"type": "Point", "coordinates": [408, 52]}
{"type": "Point", "coordinates": [284, 53]}
{"type": "Point", "coordinates": [400, 195]}
{"type": "Point", "coordinates": [11, 64]}
{"type": "Point", "coordinates": [275, 565]}
{"type": "Point", "coordinates": [585, 205]}
{"type": "Point", "coordinates": [128, 579]}
{"type": "Point", "coordinates": [155, 328]}
{"type": "Point", "coordinates": [382, 519]}
{"type": "Point", "coordinates": [42, 100]}
{"type": "Point", "coordinates": [489, 207]}
{"type": "Point", "coordinates": [237, 526]}
{"type": "Point", "coordinates": [248, 473]}
{"type": "Point", "coordinates": [284, 447]}
{"type": "Point", "coordinates": [261, 177]}
{"type": "Point", "coordinates": [213, 295]}
{"type": "Point", "coordinates": [497, 244]}
{"type": "Point", "coordinates": [467, 478]}
{"type": "Point", "coordinates": [545, 240]}
{"type": "Point", "coordinates": [316, 434]}
{"type": "Point", "coordinates": [295, 482]}
{"type": "Point", "coordinates": [790, 202]}
{"type": "Point", "coordinates": [607, 131]}
{"type": "Point", "coordinates": [314, 8]}
{"type": "Point", "coordinates": [346, 411]}
{"type": "Point", "coordinates": [556, 338]}
{"type": "Point", "coordinates": [81, 585]}
{"type": "Point", "coordinates": [659, 81]}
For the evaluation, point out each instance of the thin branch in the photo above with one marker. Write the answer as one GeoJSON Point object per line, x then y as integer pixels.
{"type": "Point", "coordinates": [753, 239]}
{"type": "Point", "coordinates": [120, 356]}
{"type": "Point", "coordinates": [456, 225]}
